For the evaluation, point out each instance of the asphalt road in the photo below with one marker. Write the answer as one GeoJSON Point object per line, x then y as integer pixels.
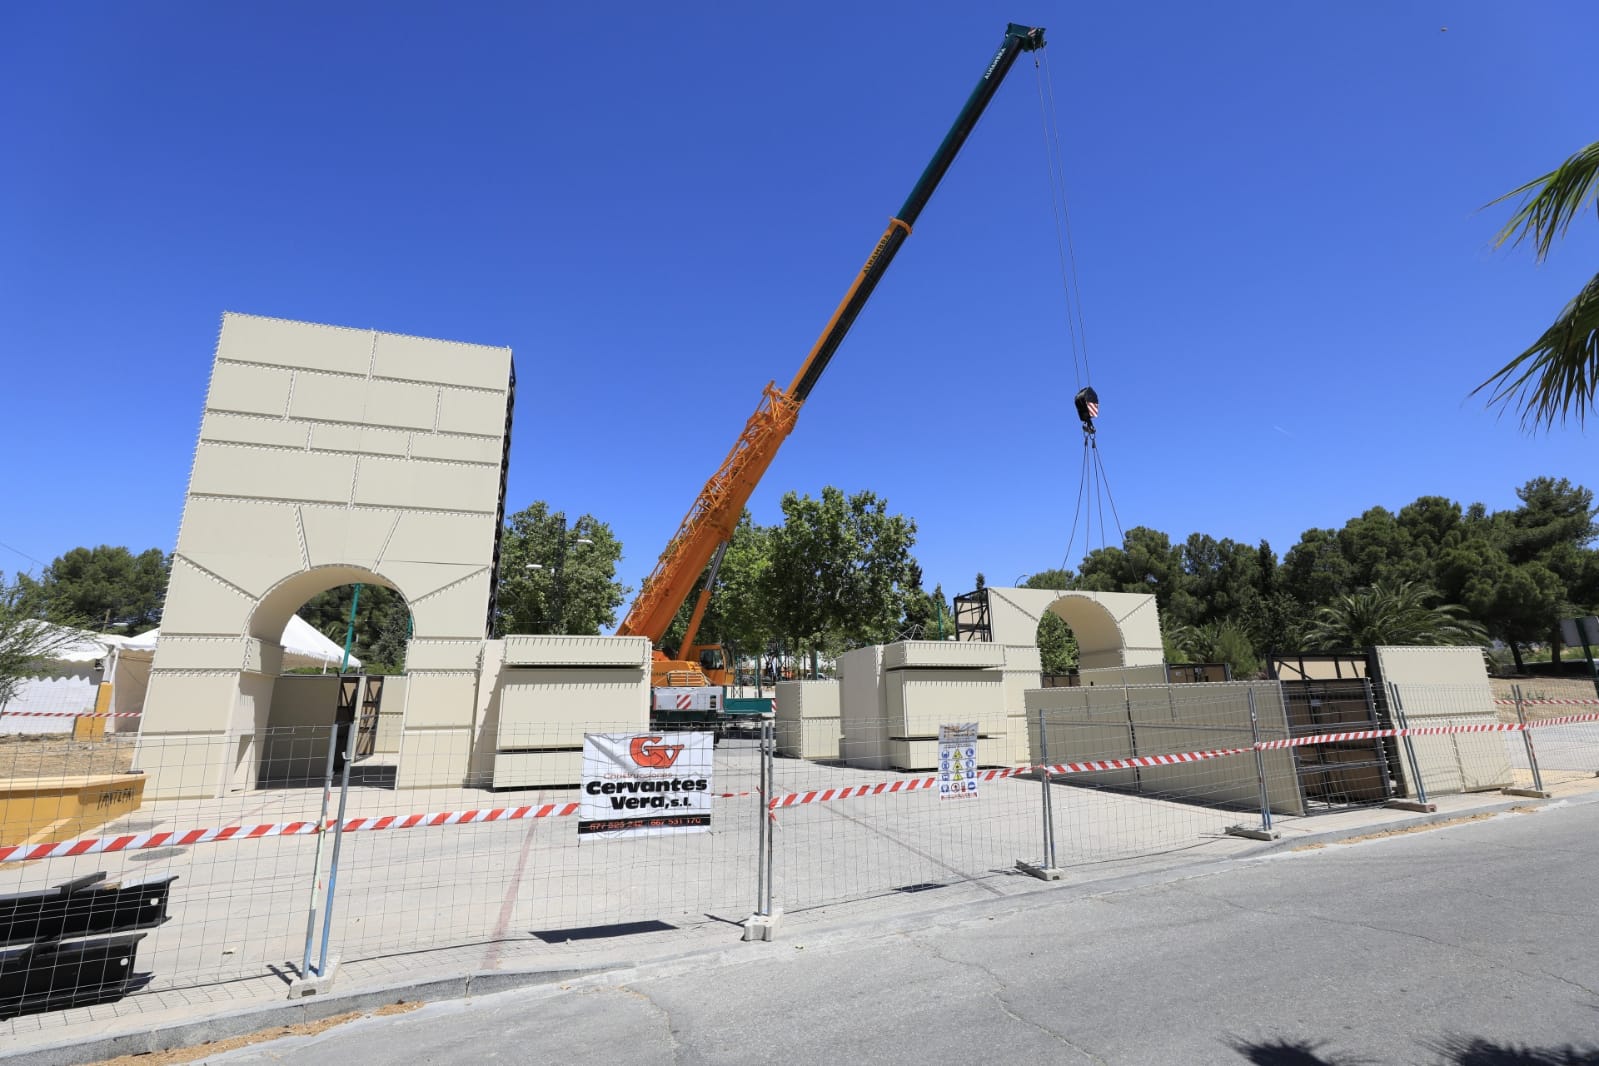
{"type": "Point", "coordinates": [1472, 945]}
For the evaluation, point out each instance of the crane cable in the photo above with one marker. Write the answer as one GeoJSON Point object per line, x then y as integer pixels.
{"type": "Point", "coordinates": [1093, 465]}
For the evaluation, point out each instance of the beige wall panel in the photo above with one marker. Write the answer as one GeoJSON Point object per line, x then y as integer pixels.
{"type": "Point", "coordinates": [422, 655]}
{"type": "Point", "coordinates": [235, 470]}
{"type": "Point", "coordinates": [198, 603]}
{"type": "Point", "coordinates": [1016, 684]}
{"type": "Point", "coordinates": [807, 738]}
{"type": "Point", "coordinates": [307, 700]}
{"type": "Point", "coordinates": [459, 611]}
{"type": "Point", "coordinates": [486, 711]}
{"type": "Point", "coordinates": [863, 714]}
{"type": "Point", "coordinates": [296, 754]}
{"type": "Point", "coordinates": [440, 700]}
{"type": "Point", "coordinates": [1432, 666]}
{"type": "Point", "coordinates": [461, 411]}
{"type": "Point", "coordinates": [1082, 725]}
{"type": "Point", "coordinates": [414, 483]}
{"type": "Point", "coordinates": [419, 580]}
{"type": "Point", "coordinates": [250, 544]}
{"type": "Point", "coordinates": [1112, 628]}
{"type": "Point", "coordinates": [1018, 740]}
{"type": "Point", "coordinates": [188, 702]}
{"type": "Point", "coordinates": [244, 429]}
{"type": "Point", "coordinates": [923, 755]}
{"type": "Point", "coordinates": [458, 449]}
{"type": "Point", "coordinates": [806, 699]}
{"type": "Point", "coordinates": [534, 702]}
{"type": "Point", "coordinates": [181, 766]}
{"type": "Point", "coordinates": [908, 654]}
{"type": "Point", "coordinates": [406, 405]}
{"type": "Point", "coordinates": [281, 342]}
{"type": "Point", "coordinates": [539, 769]}
{"type": "Point", "coordinates": [537, 650]}
{"type": "Point", "coordinates": [919, 701]}
{"type": "Point", "coordinates": [202, 653]}
{"type": "Point", "coordinates": [336, 535]}
{"type": "Point", "coordinates": [1152, 674]}
{"type": "Point", "coordinates": [433, 758]}
{"type": "Point", "coordinates": [420, 359]}
{"type": "Point", "coordinates": [335, 437]}
{"type": "Point", "coordinates": [442, 538]}
{"type": "Point", "coordinates": [255, 390]}
{"type": "Point", "coordinates": [329, 397]}
{"type": "Point", "coordinates": [1024, 659]}
{"type": "Point", "coordinates": [263, 656]}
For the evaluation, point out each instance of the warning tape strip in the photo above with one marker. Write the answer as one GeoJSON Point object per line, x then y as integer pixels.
{"type": "Point", "coordinates": [1549, 703]}
{"type": "Point", "coordinates": [142, 841]}
{"type": "Point", "coordinates": [70, 714]}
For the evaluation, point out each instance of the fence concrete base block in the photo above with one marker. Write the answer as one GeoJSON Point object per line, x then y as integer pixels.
{"type": "Point", "coordinates": [1531, 793]}
{"type": "Point", "coordinates": [315, 984]}
{"type": "Point", "coordinates": [1411, 805]}
{"type": "Point", "coordinates": [762, 926]}
{"type": "Point", "coordinates": [1253, 832]}
{"type": "Point", "coordinates": [1043, 873]}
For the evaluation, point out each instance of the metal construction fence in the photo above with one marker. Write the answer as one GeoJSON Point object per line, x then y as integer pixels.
{"type": "Point", "coordinates": [108, 892]}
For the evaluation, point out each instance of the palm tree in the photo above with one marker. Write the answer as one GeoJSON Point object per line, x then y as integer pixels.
{"type": "Point", "coordinates": [1391, 614]}
{"type": "Point", "coordinates": [1556, 377]}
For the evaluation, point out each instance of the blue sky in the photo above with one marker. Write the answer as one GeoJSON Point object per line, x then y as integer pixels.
{"type": "Point", "coordinates": [1287, 283]}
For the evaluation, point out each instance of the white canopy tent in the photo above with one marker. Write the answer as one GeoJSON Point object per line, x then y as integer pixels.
{"type": "Point", "coordinates": [303, 647]}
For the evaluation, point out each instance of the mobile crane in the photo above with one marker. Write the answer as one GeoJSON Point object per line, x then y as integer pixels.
{"type": "Point", "coordinates": [688, 687]}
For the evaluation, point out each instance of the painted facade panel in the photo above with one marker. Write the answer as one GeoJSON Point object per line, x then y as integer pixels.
{"type": "Point", "coordinates": [461, 411]}
{"type": "Point", "coordinates": [255, 390]}
{"type": "Point", "coordinates": [807, 738]}
{"type": "Point", "coordinates": [554, 707]}
{"type": "Point", "coordinates": [457, 449]}
{"type": "Point", "coordinates": [863, 714]}
{"type": "Point", "coordinates": [406, 483]}
{"type": "Point", "coordinates": [236, 471]}
{"type": "Point", "coordinates": [408, 405]}
{"type": "Point", "coordinates": [248, 429]}
{"type": "Point", "coordinates": [364, 440]}
{"type": "Point", "coordinates": [806, 699]}
{"type": "Point", "coordinates": [443, 538]}
{"type": "Point", "coordinates": [328, 398]}
{"type": "Point", "coordinates": [538, 650]}
{"type": "Point", "coordinates": [948, 654]}
{"type": "Point", "coordinates": [281, 342]}
{"type": "Point", "coordinates": [199, 603]}
{"type": "Point", "coordinates": [247, 543]}
{"type": "Point", "coordinates": [419, 359]}
{"type": "Point", "coordinates": [353, 536]}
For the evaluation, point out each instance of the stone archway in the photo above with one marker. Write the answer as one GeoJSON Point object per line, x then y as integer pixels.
{"type": "Point", "coordinates": [327, 456]}
{"type": "Point", "coordinates": [1112, 628]}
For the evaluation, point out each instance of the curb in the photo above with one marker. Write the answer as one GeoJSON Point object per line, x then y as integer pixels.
{"type": "Point", "coordinates": [274, 1015]}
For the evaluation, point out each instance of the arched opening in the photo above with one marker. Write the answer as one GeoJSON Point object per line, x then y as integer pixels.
{"type": "Point", "coordinates": [1098, 637]}
{"type": "Point", "coordinates": [327, 699]}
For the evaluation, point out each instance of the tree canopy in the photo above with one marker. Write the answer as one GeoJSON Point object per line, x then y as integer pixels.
{"type": "Point", "coordinates": [102, 588]}
{"type": "Point", "coordinates": [556, 576]}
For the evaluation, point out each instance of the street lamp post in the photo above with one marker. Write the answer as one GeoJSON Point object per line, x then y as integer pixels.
{"type": "Point", "coordinates": [558, 571]}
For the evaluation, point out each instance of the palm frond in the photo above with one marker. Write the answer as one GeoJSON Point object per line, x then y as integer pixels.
{"type": "Point", "coordinates": [1551, 202]}
{"type": "Point", "coordinates": [1557, 376]}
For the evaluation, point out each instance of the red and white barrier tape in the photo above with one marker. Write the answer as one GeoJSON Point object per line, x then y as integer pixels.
{"type": "Point", "coordinates": [140, 841]}
{"type": "Point", "coordinates": [70, 714]}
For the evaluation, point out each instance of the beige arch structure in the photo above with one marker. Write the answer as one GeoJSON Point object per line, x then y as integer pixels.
{"type": "Point", "coordinates": [328, 456]}
{"type": "Point", "coordinates": [1112, 628]}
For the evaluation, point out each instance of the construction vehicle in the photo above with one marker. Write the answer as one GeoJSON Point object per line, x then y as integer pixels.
{"type": "Point", "coordinates": [689, 685]}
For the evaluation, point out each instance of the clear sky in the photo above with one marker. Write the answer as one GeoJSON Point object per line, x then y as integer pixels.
{"type": "Point", "coordinates": [1286, 278]}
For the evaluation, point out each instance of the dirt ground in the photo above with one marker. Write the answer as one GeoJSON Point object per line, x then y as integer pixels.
{"type": "Point", "coordinates": [56, 755]}
{"type": "Point", "coordinates": [173, 1056]}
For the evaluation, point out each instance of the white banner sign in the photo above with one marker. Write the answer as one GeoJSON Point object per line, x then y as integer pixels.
{"type": "Point", "coordinates": [957, 761]}
{"type": "Point", "coordinates": [645, 784]}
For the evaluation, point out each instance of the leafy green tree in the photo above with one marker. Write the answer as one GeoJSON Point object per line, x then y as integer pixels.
{"type": "Point", "coordinates": [1216, 642]}
{"type": "Point", "coordinates": [1397, 614]}
{"type": "Point", "coordinates": [104, 587]}
{"type": "Point", "coordinates": [382, 624]}
{"type": "Point", "coordinates": [27, 642]}
{"type": "Point", "coordinates": [1557, 376]}
{"type": "Point", "coordinates": [738, 614]}
{"type": "Point", "coordinates": [557, 577]}
{"type": "Point", "coordinates": [1057, 644]}
{"type": "Point", "coordinates": [840, 571]}
{"type": "Point", "coordinates": [928, 615]}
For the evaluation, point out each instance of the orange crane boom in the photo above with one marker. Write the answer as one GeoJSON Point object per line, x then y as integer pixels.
{"type": "Point", "coordinates": [703, 534]}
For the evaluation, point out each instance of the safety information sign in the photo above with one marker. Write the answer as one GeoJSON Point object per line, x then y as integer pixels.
{"type": "Point", "coordinates": [645, 784]}
{"type": "Point", "coordinates": [957, 761]}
